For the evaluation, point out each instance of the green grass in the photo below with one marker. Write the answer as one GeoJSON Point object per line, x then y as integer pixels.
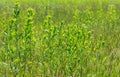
{"type": "Point", "coordinates": [62, 38]}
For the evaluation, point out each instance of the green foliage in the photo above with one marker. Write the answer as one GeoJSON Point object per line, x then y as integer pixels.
{"type": "Point", "coordinates": [36, 43]}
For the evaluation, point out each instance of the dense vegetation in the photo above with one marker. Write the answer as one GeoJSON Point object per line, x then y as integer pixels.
{"type": "Point", "coordinates": [60, 38]}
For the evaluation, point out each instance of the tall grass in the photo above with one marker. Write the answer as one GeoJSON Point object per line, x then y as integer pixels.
{"type": "Point", "coordinates": [83, 41]}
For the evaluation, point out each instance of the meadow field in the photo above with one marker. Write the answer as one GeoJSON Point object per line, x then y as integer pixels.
{"type": "Point", "coordinates": [59, 38]}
